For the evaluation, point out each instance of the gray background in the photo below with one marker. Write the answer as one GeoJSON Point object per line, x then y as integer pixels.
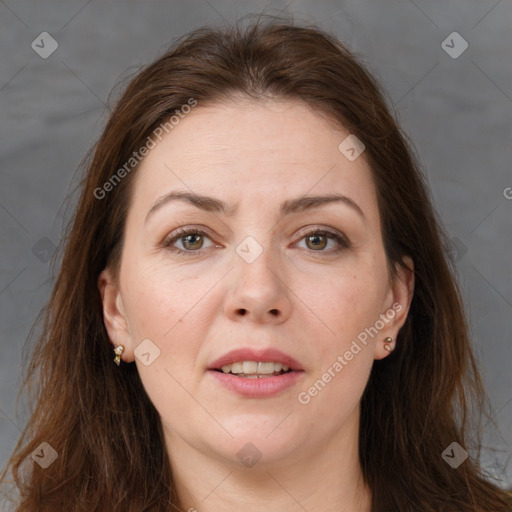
{"type": "Point", "coordinates": [457, 112]}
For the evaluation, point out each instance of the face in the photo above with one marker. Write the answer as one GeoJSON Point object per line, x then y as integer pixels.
{"type": "Point", "coordinates": [264, 278]}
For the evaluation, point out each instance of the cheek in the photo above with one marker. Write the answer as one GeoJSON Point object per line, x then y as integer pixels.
{"type": "Point", "coordinates": [331, 404]}
{"type": "Point", "coordinates": [166, 309]}
{"type": "Point", "coordinates": [161, 299]}
{"type": "Point", "coordinates": [347, 302]}
{"type": "Point", "coordinates": [343, 354]}
{"type": "Point", "coordinates": [350, 305]}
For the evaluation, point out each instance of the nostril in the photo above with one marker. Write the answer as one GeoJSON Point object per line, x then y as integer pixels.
{"type": "Point", "coordinates": [274, 312]}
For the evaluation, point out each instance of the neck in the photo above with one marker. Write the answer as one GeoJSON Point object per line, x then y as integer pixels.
{"type": "Point", "coordinates": [326, 479]}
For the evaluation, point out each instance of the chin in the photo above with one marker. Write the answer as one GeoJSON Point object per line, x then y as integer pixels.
{"type": "Point", "coordinates": [255, 447]}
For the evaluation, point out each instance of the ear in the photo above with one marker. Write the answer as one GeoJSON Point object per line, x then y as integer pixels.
{"type": "Point", "coordinates": [396, 306]}
{"type": "Point", "coordinates": [114, 314]}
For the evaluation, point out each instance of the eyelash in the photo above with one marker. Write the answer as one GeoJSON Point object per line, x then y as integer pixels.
{"type": "Point", "coordinates": [182, 232]}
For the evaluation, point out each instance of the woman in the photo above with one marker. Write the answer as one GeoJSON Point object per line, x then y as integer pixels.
{"type": "Point", "coordinates": [256, 249]}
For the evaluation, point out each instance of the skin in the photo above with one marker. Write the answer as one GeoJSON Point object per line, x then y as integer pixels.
{"type": "Point", "coordinates": [257, 154]}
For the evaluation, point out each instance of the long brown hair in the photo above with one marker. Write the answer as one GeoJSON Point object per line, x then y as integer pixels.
{"type": "Point", "coordinates": [98, 418]}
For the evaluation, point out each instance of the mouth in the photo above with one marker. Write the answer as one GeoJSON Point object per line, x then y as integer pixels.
{"type": "Point", "coordinates": [256, 373]}
{"type": "Point", "coordinates": [255, 369]}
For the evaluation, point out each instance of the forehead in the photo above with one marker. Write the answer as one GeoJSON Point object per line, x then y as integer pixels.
{"type": "Point", "coordinates": [247, 149]}
{"type": "Point", "coordinates": [285, 130]}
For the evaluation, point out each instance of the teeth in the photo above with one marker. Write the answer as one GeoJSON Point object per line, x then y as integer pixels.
{"type": "Point", "coordinates": [237, 368]}
{"type": "Point", "coordinates": [266, 368]}
{"type": "Point", "coordinates": [254, 369]}
{"type": "Point", "coordinates": [250, 367]}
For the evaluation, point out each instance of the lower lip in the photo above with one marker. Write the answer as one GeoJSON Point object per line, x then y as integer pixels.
{"type": "Point", "coordinates": [257, 388]}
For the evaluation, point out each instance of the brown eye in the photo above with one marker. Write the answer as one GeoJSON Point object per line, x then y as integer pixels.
{"type": "Point", "coordinates": [316, 242]}
{"type": "Point", "coordinates": [191, 242]}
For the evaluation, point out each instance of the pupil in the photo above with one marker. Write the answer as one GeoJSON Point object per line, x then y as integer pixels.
{"type": "Point", "coordinates": [188, 237]}
{"type": "Point", "coordinates": [316, 237]}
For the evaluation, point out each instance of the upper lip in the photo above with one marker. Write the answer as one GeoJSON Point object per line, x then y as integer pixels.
{"type": "Point", "coordinates": [250, 354]}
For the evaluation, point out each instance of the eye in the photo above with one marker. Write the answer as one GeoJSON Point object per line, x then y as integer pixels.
{"type": "Point", "coordinates": [318, 239]}
{"type": "Point", "coordinates": [192, 240]}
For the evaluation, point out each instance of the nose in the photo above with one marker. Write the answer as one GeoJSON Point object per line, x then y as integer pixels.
{"type": "Point", "coordinates": [258, 291]}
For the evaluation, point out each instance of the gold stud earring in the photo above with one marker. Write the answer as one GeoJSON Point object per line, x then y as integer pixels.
{"type": "Point", "coordinates": [118, 351]}
{"type": "Point", "coordinates": [387, 345]}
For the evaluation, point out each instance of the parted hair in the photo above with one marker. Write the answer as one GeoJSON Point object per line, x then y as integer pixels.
{"type": "Point", "coordinates": [427, 394]}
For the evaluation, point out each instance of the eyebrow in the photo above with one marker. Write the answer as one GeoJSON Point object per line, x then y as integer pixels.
{"type": "Point", "coordinates": [290, 206]}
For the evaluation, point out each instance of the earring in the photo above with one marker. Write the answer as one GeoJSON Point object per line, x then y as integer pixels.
{"type": "Point", "coordinates": [118, 351]}
{"type": "Point", "coordinates": [387, 345]}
